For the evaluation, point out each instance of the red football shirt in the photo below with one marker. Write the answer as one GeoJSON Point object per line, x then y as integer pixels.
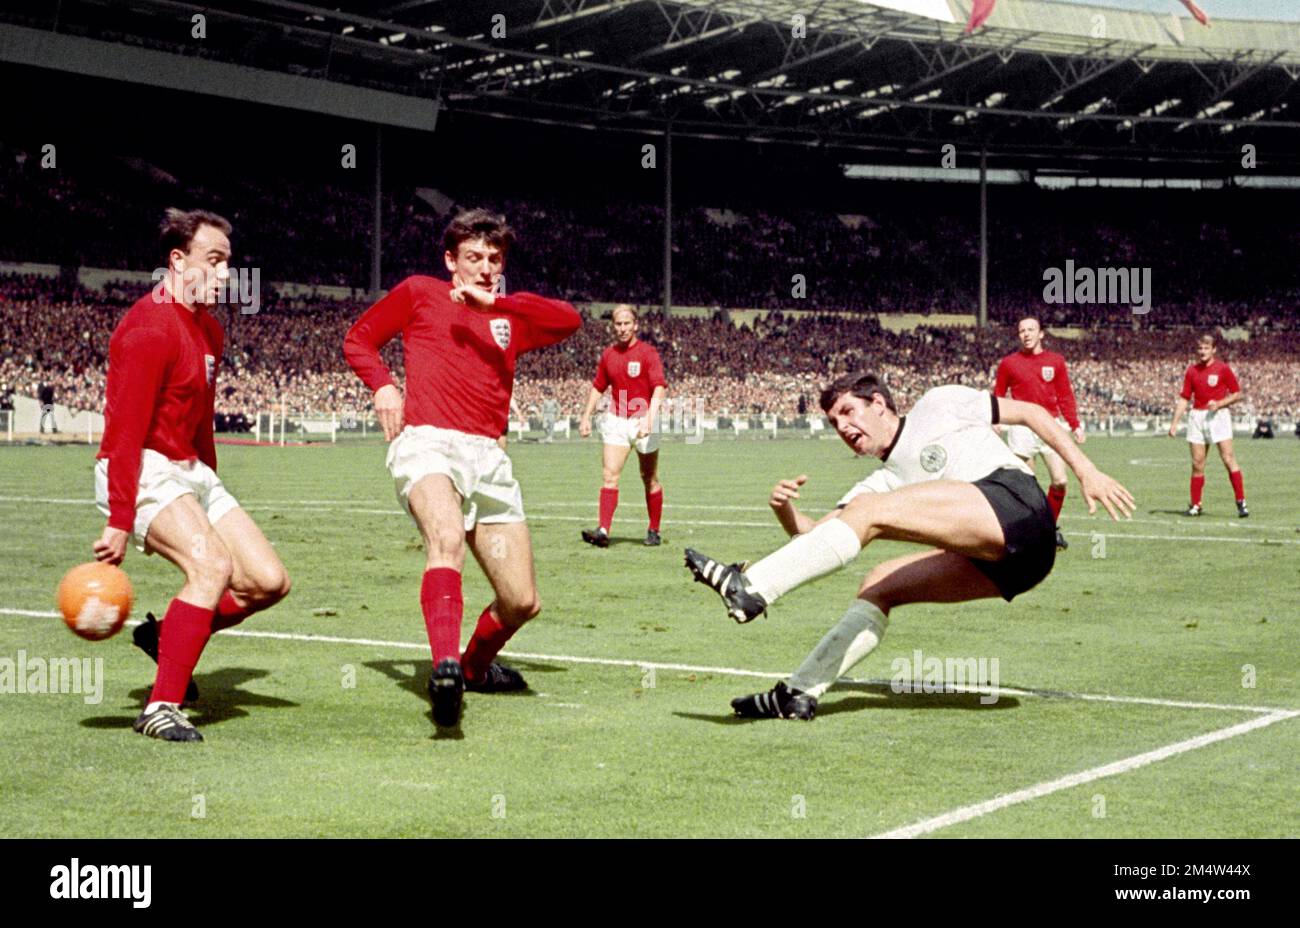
{"type": "Point", "coordinates": [1038, 378]}
{"type": "Point", "coordinates": [634, 372]}
{"type": "Point", "coordinates": [1205, 382]}
{"type": "Point", "coordinates": [460, 362]}
{"type": "Point", "coordinates": [162, 371]}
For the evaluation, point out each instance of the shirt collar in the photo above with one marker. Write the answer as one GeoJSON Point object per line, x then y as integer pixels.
{"type": "Point", "coordinates": [902, 421]}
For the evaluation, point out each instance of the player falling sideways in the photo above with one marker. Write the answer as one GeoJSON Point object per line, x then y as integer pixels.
{"type": "Point", "coordinates": [947, 482]}
{"type": "Point", "coordinates": [156, 479]}
{"type": "Point", "coordinates": [1212, 387]}
{"type": "Point", "coordinates": [633, 370]}
{"type": "Point", "coordinates": [461, 340]}
{"type": "Point", "coordinates": [1035, 375]}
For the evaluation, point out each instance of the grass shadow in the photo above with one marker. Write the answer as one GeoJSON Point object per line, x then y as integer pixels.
{"type": "Point", "coordinates": [220, 700]}
{"type": "Point", "coordinates": [883, 697]}
{"type": "Point", "coordinates": [413, 677]}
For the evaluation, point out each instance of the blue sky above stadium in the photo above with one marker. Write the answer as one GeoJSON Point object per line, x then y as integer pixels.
{"type": "Point", "coordinates": [1226, 9]}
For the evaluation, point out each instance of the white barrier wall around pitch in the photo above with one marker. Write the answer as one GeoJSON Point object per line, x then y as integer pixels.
{"type": "Point", "coordinates": [28, 411]}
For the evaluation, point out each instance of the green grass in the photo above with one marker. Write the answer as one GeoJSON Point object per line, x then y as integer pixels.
{"type": "Point", "coordinates": [592, 750]}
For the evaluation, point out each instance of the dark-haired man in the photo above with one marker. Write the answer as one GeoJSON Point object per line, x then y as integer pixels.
{"type": "Point", "coordinates": [156, 480]}
{"type": "Point", "coordinates": [947, 482]}
{"type": "Point", "coordinates": [460, 341]}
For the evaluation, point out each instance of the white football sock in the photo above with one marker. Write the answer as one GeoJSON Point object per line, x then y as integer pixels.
{"type": "Point", "coordinates": [806, 557]}
{"type": "Point", "coordinates": [853, 638]}
{"type": "Point", "coordinates": [154, 705]}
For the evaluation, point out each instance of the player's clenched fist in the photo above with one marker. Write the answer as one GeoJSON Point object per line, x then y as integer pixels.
{"type": "Point", "coordinates": [388, 407]}
{"type": "Point", "coordinates": [111, 546]}
{"type": "Point", "coordinates": [584, 427]}
{"type": "Point", "coordinates": [786, 491]}
{"type": "Point", "coordinates": [472, 296]}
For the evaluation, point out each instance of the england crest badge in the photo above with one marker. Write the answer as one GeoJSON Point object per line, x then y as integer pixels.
{"type": "Point", "coordinates": [634, 368]}
{"type": "Point", "coordinates": [1048, 374]}
{"type": "Point", "coordinates": [210, 368]}
{"type": "Point", "coordinates": [501, 332]}
{"type": "Point", "coordinates": [1212, 380]}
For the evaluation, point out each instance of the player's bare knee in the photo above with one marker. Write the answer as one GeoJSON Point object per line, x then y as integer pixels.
{"type": "Point", "coordinates": [866, 515]}
{"type": "Point", "coordinates": [211, 570]}
{"type": "Point", "coordinates": [610, 479]}
{"type": "Point", "coordinates": [517, 612]}
{"type": "Point", "coordinates": [271, 587]}
{"type": "Point", "coordinates": [445, 543]}
{"type": "Point", "coordinates": [875, 586]}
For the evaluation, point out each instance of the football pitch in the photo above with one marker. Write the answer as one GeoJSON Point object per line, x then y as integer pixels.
{"type": "Point", "coordinates": [1147, 688]}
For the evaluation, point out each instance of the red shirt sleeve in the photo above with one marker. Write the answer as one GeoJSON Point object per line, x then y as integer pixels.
{"type": "Point", "coordinates": [377, 326]}
{"type": "Point", "coordinates": [545, 322]}
{"type": "Point", "coordinates": [1187, 385]}
{"type": "Point", "coordinates": [1000, 384]}
{"type": "Point", "coordinates": [139, 360]}
{"type": "Point", "coordinates": [655, 371]}
{"type": "Point", "coordinates": [1065, 395]}
{"type": "Point", "coordinates": [601, 381]}
{"type": "Point", "coordinates": [204, 441]}
{"type": "Point", "coordinates": [1230, 380]}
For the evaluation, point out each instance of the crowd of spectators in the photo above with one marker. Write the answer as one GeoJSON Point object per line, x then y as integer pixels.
{"type": "Point", "coordinates": [56, 334]}
{"type": "Point", "coordinates": [1217, 261]}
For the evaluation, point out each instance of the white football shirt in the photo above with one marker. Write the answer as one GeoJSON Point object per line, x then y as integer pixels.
{"type": "Point", "coordinates": [948, 435]}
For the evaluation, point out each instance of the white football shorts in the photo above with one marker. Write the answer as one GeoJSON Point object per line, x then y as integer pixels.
{"type": "Point", "coordinates": [1208, 428]}
{"type": "Point", "coordinates": [1025, 443]}
{"type": "Point", "coordinates": [161, 481]}
{"type": "Point", "coordinates": [477, 467]}
{"type": "Point", "coordinates": [615, 430]}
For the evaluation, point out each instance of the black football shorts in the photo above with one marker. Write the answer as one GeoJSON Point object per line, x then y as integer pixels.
{"type": "Point", "coordinates": [1029, 528]}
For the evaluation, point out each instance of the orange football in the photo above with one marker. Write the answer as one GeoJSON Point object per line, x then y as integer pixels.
{"type": "Point", "coordinates": [95, 600]}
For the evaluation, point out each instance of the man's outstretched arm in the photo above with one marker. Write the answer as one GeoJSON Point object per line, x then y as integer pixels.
{"type": "Point", "coordinates": [1097, 487]}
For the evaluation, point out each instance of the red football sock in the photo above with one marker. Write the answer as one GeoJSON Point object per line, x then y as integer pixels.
{"type": "Point", "coordinates": [1198, 484]}
{"type": "Point", "coordinates": [654, 504]}
{"type": "Point", "coordinates": [490, 636]}
{"type": "Point", "coordinates": [443, 607]}
{"type": "Point", "coordinates": [230, 612]}
{"type": "Point", "coordinates": [608, 503]}
{"type": "Point", "coordinates": [1237, 486]}
{"type": "Point", "coordinates": [1055, 497]}
{"type": "Point", "coordinates": [185, 630]}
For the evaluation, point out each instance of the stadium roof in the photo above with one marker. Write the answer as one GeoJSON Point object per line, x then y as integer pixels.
{"type": "Point", "coordinates": [1041, 83]}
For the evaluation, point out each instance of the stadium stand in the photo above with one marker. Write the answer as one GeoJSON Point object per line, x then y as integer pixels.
{"type": "Point", "coordinates": [1217, 258]}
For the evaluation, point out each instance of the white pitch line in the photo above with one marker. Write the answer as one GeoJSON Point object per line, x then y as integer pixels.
{"type": "Point", "coordinates": [1104, 528]}
{"type": "Point", "coordinates": [1238, 541]}
{"type": "Point", "coordinates": [725, 671]}
{"type": "Point", "coordinates": [966, 813]}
